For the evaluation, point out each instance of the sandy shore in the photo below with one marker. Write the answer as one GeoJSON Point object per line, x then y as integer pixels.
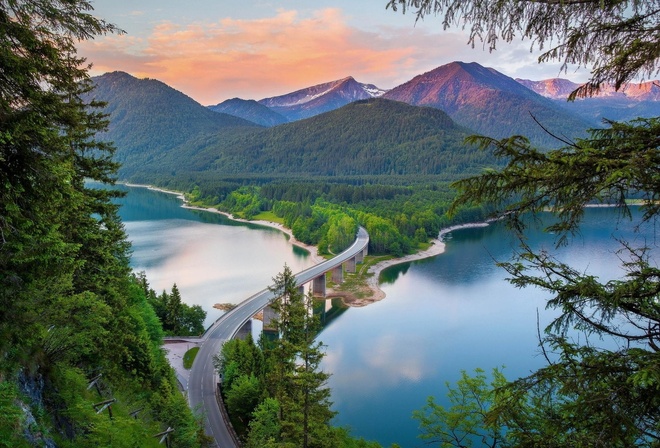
{"type": "Point", "coordinates": [437, 246]}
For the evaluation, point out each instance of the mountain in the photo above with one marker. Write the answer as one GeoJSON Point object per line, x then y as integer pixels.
{"type": "Point", "coordinates": [148, 118]}
{"type": "Point", "coordinates": [250, 110]}
{"type": "Point", "coordinates": [556, 88]}
{"type": "Point", "coordinates": [364, 138]}
{"type": "Point", "coordinates": [559, 89]}
{"type": "Point", "coordinates": [321, 98]}
{"type": "Point", "coordinates": [634, 100]}
{"type": "Point", "coordinates": [489, 103]}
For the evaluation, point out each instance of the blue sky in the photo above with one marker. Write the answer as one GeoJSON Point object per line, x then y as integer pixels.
{"type": "Point", "coordinates": [213, 50]}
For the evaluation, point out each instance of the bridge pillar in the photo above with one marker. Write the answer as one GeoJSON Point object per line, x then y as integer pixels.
{"type": "Point", "coordinates": [318, 286]}
{"type": "Point", "coordinates": [338, 274]}
{"type": "Point", "coordinates": [350, 265]}
{"type": "Point", "coordinates": [269, 315]}
{"type": "Point", "coordinates": [301, 290]}
{"type": "Point", "coordinates": [359, 257]}
{"type": "Point", "coordinates": [244, 330]}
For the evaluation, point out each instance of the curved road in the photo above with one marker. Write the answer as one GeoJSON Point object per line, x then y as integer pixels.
{"type": "Point", "coordinates": [203, 378]}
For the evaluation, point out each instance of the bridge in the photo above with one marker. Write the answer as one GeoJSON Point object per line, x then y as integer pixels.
{"type": "Point", "coordinates": [203, 382]}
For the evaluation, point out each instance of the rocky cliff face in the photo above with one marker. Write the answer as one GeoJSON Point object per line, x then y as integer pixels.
{"type": "Point", "coordinates": [32, 387]}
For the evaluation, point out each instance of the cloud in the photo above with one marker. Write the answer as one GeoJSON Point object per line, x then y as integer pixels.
{"type": "Point", "coordinates": [253, 59]}
{"type": "Point", "coordinates": [213, 61]}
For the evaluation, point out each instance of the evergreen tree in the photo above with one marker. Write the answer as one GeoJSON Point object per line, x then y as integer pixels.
{"type": "Point", "coordinates": [265, 426]}
{"type": "Point", "coordinates": [192, 319]}
{"type": "Point", "coordinates": [300, 388]}
{"type": "Point", "coordinates": [69, 307]}
{"type": "Point", "coordinates": [173, 311]}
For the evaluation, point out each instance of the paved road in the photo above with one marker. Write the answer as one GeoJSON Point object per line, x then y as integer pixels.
{"type": "Point", "coordinates": [203, 379]}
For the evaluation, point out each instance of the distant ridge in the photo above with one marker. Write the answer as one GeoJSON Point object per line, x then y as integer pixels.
{"type": "Point", "coordinates": [305, 103]}
{"type": "Point", "coordinates": [559, 88]}
{"type": "Point", "coordinates": [632, 101]}
{"type": "Point", "coordinates": [250, 110]}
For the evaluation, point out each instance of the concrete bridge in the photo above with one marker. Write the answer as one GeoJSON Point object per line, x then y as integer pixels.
{"type": "Point", "coordinates": [202, 385]}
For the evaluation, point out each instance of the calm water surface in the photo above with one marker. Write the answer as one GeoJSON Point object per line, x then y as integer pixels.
{"type": "Point", "coordinates": [442, 315]}
{"type": "Point", "coordinates": [211, 259]}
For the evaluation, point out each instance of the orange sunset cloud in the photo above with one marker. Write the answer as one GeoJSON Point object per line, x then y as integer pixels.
{"type": "Point", "coordinates": [253, 59]}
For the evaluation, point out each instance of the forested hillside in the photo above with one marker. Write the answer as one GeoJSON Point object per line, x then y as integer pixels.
{"type": "Point", "coordinates": [149, 119]}
{"type": "Point", "coordinates": [81, 363]}
{"type": "Point", "coordinates": [369, 137]}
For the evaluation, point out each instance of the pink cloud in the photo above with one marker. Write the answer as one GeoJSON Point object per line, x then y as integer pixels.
{"type": "Point", "coordinates": [213, 61]}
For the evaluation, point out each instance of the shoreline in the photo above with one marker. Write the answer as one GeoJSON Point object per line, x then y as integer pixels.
{"type": "Point", "coordinates": [437, 246]}
{"type": "Point", "coordinates": [313, 250]}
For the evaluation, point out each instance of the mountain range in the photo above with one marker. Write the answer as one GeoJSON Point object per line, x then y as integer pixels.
{"type": "Point", "coordinates": [349, 129]}
{"type": "Point", "coordinates": [489, 103]}
{"type": "Point", "coordinates": [632, 101]}
{"type": "Point", "coordinates": [464, 90]}
{"type": "Point", "coordinates": [483, 99]}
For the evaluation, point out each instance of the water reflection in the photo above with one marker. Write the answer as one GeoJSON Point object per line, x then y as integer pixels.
{"type": "Point", "coordinates": [212, 259]}
{"type": "Point", "coordinates": [446, 314]}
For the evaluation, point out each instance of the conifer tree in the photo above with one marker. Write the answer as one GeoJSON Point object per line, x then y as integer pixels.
{"type": "Point", "coordinates": [173, 310]}
{"type": "Point", "coordinates": [69, 308]}
{"type": "Point", "coordinates": [300, 388]}
{"type": "Point", "coordinates": [47, 233]}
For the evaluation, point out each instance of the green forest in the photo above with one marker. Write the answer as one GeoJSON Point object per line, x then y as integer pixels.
{"type": "Point", "coordinates": [81, 362]}
{"type": "Point", "coordinates": [401, 216]}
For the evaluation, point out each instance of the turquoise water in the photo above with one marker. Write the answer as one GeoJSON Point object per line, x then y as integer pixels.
{"type": "Point", "coordinates": [450, 313]}
{"type": "Point", "coordinates": [442, 315]}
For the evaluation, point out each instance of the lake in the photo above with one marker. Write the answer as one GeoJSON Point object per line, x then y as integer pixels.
{"type": "Point", "coordinates": [211, 258]}
{"type": "Point", "coordinates": [441, 315]}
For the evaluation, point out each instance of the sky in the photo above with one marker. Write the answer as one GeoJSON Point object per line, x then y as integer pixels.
{"type": "Point", "coordinates": [214, 50]}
